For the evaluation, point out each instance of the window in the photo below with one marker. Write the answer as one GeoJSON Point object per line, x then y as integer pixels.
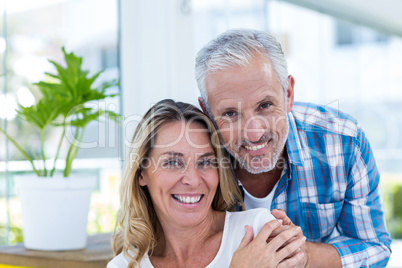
{"type": "Point", "coordinates": [32, 32]}
{"type": "Point", "coordinates": [350, 34]}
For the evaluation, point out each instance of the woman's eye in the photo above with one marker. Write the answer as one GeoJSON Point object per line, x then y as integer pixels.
{"type": "Point", "coordinates": [172, 163]}
{"type": "Point", "coordinates": [209, 162]}
{"type": "Point", "coordinates": [205, 162]}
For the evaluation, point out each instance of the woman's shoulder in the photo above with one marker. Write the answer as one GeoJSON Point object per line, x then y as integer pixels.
{"type": "Point", "coordinates": [234, 230]}
{"type": "Point", "coordinates": [255, 218]}
{"type": "Point", "coordinates": [252, 215]}
{"type": "Point", "coordinates": [120, 261]}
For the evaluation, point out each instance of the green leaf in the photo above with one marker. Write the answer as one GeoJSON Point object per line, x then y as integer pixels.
{"type": "Point", "coordinates": [66, 100]}
{"type": "Point", "coordinates": [22, 151]}
{"type": "Point", "coordinates": [114, 116]}
{"type": "Point", "coordinates": [86, 118]}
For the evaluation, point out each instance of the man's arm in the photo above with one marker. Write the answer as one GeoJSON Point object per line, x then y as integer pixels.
{"type": "Point", "coordinates": [362, 240]}
{"type": "Point", "coordinates": [322, 255]}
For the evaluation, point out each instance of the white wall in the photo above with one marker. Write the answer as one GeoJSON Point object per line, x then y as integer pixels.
{"type": "Point", "coordinates": [157, 56]}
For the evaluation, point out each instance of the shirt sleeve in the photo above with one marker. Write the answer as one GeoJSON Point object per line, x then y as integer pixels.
{"type": "Point", "coordinates": [112, 265]}
{"type": "Point", "coordinates": [364, 240]}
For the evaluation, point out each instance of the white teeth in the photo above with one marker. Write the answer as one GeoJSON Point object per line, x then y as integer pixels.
{"type": "Point", "coordinates": [187, 199]}
{"type": "Point", "coordinates": [255, 148]}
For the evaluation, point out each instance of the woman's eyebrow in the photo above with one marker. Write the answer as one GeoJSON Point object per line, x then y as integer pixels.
{"type": "Point", "coordinates": [171, 153]}
{"type": "Point", "coordinates": [207, 154]}
{"type": "Point", "coordinates": [176, 154]}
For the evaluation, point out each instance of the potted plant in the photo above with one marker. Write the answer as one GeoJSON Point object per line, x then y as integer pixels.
{"type": "Point", "coordinates": [54, 206]}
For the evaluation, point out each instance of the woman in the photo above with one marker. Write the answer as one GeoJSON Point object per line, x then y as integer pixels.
{"type": "Point", "coordinates": [175, 193]}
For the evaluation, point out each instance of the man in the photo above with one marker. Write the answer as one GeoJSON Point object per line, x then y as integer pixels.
{"type": "Point", "coordinates": [312, 162]}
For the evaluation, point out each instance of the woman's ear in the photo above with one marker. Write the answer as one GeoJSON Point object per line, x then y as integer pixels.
{"type": "Point", "coordinates": [141, 180]}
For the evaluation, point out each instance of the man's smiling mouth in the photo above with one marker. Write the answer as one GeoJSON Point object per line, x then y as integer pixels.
{"type": "Point", "coordinates": [257, 147]}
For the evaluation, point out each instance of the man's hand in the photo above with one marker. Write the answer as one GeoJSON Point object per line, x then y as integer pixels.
{"type": "Point", "coordinates": [259, 253]}
{"type": "Point", "coordinates": [315, 254]}
{"type": "Point", "coordinates": [279, 214]}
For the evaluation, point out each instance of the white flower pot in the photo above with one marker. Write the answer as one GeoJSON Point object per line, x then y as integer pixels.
{"type": "Point", "coordinates": [55, 211]}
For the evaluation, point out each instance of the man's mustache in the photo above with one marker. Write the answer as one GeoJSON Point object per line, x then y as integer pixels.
{"type": "Point", "coordinates": [264, 138]}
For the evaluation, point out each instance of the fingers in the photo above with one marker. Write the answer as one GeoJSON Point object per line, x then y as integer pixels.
{"type": "Point", "coordinates": [281, 239]}
{"type": "Point", "coordinates": [279, 230]}
{"type": "Point", "coordinates": [295, 261]}
{"type": "Point", "coordinates": [266, 230]}
{"type": "Point", "coordinates": [247, 238]}
{"type": "Point", "coordinates": [280, 214]}
{"type": "Point", "coordinates": [291, 248]}
{"type": "Point", "coordinates": [283, 249]}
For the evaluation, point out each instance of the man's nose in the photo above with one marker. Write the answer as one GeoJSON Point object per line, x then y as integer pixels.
{"type": "Point", "coordinates": [254, 128]}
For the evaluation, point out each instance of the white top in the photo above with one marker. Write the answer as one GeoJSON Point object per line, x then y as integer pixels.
{"type": "Point", "coordinates": [233, 232]}
{"type": "Point", "coordinates": [251, 202]}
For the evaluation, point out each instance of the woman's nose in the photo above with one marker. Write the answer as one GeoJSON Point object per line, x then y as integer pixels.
{"type": "Point", "coordinates": [191, 176]}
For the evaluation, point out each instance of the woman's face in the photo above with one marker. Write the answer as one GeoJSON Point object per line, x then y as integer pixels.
{"type": "Point", "coordinates": [181, 174]}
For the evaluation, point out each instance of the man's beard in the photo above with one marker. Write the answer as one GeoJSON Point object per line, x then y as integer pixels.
{"type": "Point", "coordinates": [266, 162]}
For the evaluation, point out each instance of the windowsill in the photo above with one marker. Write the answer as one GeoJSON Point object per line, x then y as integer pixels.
{"type": "Point", "coordinates": [97, 254]}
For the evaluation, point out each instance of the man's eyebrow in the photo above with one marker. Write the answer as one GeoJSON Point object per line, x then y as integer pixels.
{"type": "Point", "coordinates": [267, 98]}
{"type": "Point", "coordinates": [233, 108]}
{"type": "Point", "coordinates": [224, 109]}
{"type": "Point", "coordinates": [221, 105]}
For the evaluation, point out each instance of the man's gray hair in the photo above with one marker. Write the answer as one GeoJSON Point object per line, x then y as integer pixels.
{"type": "Point", "coordinates": [236, 48]}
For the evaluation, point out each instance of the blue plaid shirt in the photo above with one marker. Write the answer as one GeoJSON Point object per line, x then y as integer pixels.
{"type": "Point", "coordinates": [330, 187]}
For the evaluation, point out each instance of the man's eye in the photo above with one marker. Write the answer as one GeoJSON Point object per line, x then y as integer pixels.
{"type": "Point", "coordinates": [230, 114]}
{"type": "Point", "coordinates": [265, 105]}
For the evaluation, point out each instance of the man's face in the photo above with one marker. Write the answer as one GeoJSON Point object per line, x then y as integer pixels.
{"type": "Point", "coordinates": [249, 107]}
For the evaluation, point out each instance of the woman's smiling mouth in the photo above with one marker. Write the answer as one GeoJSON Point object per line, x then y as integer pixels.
{"type": "Point", "coordinates": [186, 199]}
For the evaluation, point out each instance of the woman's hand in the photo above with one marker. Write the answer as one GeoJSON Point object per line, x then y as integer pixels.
{"type": "Point", "coordinates": [279, 252]}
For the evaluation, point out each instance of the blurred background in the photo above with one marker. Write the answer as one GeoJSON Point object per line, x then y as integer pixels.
{"type": "Point", "coordinates": [344, 54]}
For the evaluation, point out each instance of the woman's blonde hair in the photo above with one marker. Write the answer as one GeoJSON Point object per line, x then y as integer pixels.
{"type": "Point", "coordinates": [138, 228]}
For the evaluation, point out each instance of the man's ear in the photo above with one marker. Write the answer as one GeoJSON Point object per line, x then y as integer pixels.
{"type": "Point", "coordinates": [141, 180]}
{"type": "Point", "coordinates": [202, 105]}
{"type": "Point", "coordinates": [290, 93]}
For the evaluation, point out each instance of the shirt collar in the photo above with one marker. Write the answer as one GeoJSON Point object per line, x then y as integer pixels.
{"type": "Point", "coordinates": [293, 145]}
